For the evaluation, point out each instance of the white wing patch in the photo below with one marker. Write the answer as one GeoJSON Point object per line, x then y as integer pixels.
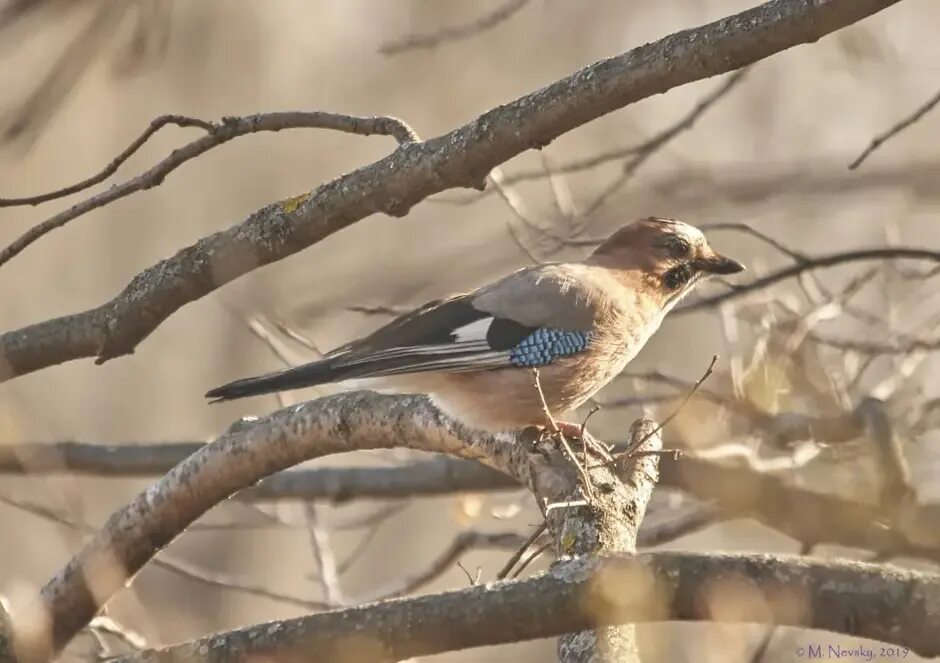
{"type": "Point", "coordinates": [475, 331]}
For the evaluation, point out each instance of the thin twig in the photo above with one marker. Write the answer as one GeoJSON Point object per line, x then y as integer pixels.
{"type": "Point", "coordinates": [878, 141]}
{"type": "Point", "coordinates": [112, 167]}
{"type": "Point", "coordinates": [462, 543]}
{"type": "Point", "coordinates": [708, 371]}
{"type": "Point", "coordinates": [653, 145]}
{"type": "Point", "coordinates": [516, 556]}
{"type": "Point", "coordinates": [128, 636]}
{"type": "Point", "coordinates": [327, 573]}
{"type": "Point", "coordinates": [534, 555]}
{"type": "Point", "coordinates": [229, 129]}
{"type": "Point", "coordinates": [456, 32]}
{"type": "Point", "coordinates": [812, 263]}
{"type": "Point", "coordinates": [766, 239]}
{"type": "Point", "coordinates": [641, 150]}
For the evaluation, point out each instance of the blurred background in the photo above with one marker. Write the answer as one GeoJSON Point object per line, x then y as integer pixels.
{"type": "Point", "coordinates": [82, 78]}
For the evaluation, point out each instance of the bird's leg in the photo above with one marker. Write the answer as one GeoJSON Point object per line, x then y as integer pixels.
{"type": "Point", "coordinates": [558, 434]}
{"type": "Point", "coordinates": [586, 440]}
{"type": "Point", "coordinates": [569, 430]}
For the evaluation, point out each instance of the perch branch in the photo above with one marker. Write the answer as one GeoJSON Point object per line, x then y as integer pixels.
{"type": "Point", "coordinates": [247, 452]}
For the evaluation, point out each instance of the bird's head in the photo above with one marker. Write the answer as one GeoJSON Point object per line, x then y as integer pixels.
{"type": "Point", "coordinates": [670, 256]}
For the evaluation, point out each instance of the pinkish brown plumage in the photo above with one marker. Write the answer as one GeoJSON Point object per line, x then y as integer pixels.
{"type": "Point", "coordinates": [579, 323]}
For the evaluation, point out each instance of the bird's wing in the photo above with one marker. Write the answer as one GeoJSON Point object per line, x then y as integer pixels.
{"type": "Point", "coordinates": [530, 318]}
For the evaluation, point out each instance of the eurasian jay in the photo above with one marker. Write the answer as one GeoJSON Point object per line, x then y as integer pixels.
{"type": "Point", "coordinates": [579, 323]}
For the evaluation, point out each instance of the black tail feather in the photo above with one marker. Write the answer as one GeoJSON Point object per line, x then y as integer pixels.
{"type": "Point", "coordinates": [308, 375]}
{"type": "Point", "coordinates": [341, 368]}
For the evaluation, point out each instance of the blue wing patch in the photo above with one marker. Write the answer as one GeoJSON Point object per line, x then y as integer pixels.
{"type": "Point", "coordinates": [545, 345]}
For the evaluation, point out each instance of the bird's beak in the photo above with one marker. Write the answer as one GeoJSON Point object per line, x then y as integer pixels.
{"type": "Point", "coordinates": [719, 264]}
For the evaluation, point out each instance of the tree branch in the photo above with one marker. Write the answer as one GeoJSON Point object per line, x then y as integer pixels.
{"type": "Point", "coordinates": [218, 134]}
{"type": "Point", "coordinates": [394, 184]}
{"type": "Point", "coordinates": [247, 452]}
{"type": "Point", "coordinates": [863, 600]}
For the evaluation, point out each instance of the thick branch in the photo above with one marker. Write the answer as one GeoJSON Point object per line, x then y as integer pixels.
{"type": "Point", "coordinates": [852, 598]}
{"type": "Point", "coordinates": [393, 185]}
{"type": "Point", "coordinates": [246, 453]}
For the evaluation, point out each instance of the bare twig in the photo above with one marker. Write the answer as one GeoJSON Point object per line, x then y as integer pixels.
{"type": "Point", "coordinates": [641, 151]}
{"type": "Point", "coordinates": [462, 543]}
{"type": "Point", "coordinates": [516, 556]}
{"type": "Point", "coordinates": [456, 32]}
{"type": "Point", "coordinates": [327, 573]}
{"type": "Point", "coordinates": [739, 488]}
{"type": "Point", "coordinates": [68, 67]}
{"type": "Point", "coordinates": [111, 168]}
{"type": "Point", "coordinates": [129, 637]}
{"type": "Point", "coordinates": [708, 371]}
{"type": "Point", "coordinates": [394, 184]}
{"type": "Point", "coordinates": [879, 140]}
{"type": "Point", "coordinates": [648, 149]}
{"type": "Point", "coordinates": [796, 256]}
{"type": "Point", "coordinates": [175, 565]}
{"type": "Point", "coordinates": [229, 129]}
{"type": "Point", "coordinates": [813, 263]}
{"type": "Point", "coordinates": [534, 555]}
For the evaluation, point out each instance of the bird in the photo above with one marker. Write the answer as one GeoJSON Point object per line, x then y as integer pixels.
{"type": "Point", "coordinates": [577, 323]}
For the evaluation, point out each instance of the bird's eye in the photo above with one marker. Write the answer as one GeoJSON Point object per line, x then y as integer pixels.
{"type": "Point", "coordinates": [678, 247]}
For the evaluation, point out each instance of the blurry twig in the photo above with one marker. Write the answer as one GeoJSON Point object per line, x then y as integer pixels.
{"type": "Point", "coordinates": [879, 140]}
{"type": "Point", "coordinates": [643, 152]}
{"type": "Point", "coordinates": [516, 556]}
{"type": "Point", "coordinates": [640, 152]}
{"type": "Point", "coordinates": [812, 263]}
{"type": "Point", "coordinates": [108, 625]}
{"type": "Point", "coordinates": [378, 310]}
{"type": "Point", "coordinates": [453, 33]}
{"type": "Point", "coordinates": [748, 230]}
{"type": "Point", "coordinates": [535, 554]}
{"type": "Point", "coordinates": [73, 61]}
{"type": "Point", "coordinates": [217, 134]}
{"type": "Point", "coordinates": [327, 573]}
{"type": "Point", "coordinates": [675, 413]}
{"type": "Point", "coordinates": [462, 543]}
{"type": "Point", "coordinates": [170, 563]}
{"type": "Point", "coordinates": [875, 421]}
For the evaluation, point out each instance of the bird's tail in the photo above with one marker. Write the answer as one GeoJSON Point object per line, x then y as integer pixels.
{"type": "Point", "coordinates": [308, 375]}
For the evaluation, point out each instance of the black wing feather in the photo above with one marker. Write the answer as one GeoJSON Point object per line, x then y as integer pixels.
{"type": "Point", "coordinates": [421, 341]}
